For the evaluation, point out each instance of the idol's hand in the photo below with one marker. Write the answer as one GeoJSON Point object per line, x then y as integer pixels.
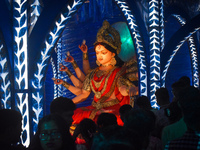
{"type": "Point", "coordinates": [133, 91]}
{"type": "Point", "coordinates": [69, 58]}
{"type": "Point", "coordinates": [83, 47]}
{"type": "Point", "coordinates": [57, 81]}
{"type": "Point", "coordinates": [63, 68]}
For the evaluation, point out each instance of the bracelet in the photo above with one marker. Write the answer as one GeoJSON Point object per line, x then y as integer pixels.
{"type": "Point", "coordinates": [85, 56]}
{"type": "Point", "coordinates": [69, 73]}
{"type": "Point", "coordinates": [127, 90]}
{"type": "Point", "coordinates": [66, 85]}
{"type": "Point", "coordinates": [74, 64]}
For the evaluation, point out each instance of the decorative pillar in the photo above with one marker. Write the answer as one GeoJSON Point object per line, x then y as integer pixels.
{"type": "Point", "coordinates": [20, 33]}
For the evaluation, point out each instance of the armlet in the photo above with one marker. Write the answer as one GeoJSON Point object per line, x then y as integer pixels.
{"type": "Point", "coordinates": [86, 84]}
{"type": "Point", "coordinates": [124, 81]}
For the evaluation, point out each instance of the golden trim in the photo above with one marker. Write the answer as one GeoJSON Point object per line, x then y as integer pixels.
{"type": "Point", "coordinates": [86, 83]}
{"type": "Point", "coordinates": [69, 73]}
{"type": "Point", "coordinates": [107, 95]}
{"type": "Point", "coordinates": [65, 84]}
{"type": "Point", "coordinates": [109, 35]}
{"type": "Point", "coordinates": [85, 56]}
{"type": "Point", "coordinates": [74, 64]}
{"type": "Point", "coordinates": [99, 105]}
{"type": "Point", "coordinates": [98, 84]}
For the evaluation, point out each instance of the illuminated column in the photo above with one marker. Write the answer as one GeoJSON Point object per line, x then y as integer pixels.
{"type": "Point", "coordinates": [37, 103]}
{"type": "Point", "coordinates": [45, 55]}
{"type": "Point", "coordinates": [21, 65]}
{"type": "Point", "coordinates": [5, 85]}
{"type": "Point", "coordinates": [155, 24]}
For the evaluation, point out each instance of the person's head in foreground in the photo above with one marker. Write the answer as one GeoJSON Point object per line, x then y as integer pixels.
{"type": "Point", "coordinates": [53, 133]}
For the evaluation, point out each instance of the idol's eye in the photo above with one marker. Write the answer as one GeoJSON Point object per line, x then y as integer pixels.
{"type": "Point", "coordinates": [104, 53]}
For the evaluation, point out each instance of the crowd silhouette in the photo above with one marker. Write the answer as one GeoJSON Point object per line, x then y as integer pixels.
{"type": "Point", "coordinates": [176, 125]}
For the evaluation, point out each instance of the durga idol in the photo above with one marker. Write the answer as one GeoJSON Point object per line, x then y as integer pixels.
{"type": "Point", "coordinates": [111, 82]}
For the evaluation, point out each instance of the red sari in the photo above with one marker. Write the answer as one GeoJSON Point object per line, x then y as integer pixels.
{"type": "Point", "coordinates": [103, 86]}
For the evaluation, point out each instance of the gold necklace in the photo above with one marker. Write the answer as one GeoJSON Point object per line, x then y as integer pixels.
{"type": "Point", "coordinates": [98, 83]}
{"type": "Point", "coordinates": [101, 73]}
{"type": "Point", "coordinates": [106, 65]}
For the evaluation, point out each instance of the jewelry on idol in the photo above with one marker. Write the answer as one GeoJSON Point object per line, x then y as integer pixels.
{"type": "Point", "coordinates": [69, 73]}
{"type": "Point", "coordinates": [98, 63]}
{"type": "Point", "coordinates": [98, 84]}
{"type": "Point", "coordinates": [85, 56]}
{"type": "Point", "coordinates": [101, 73]}
{"type": "Point", "coordinates": [105, 65]}
{"type": "Point", "coordinates": [113, 61]}
{"type": "Point", "coordinates": [66, 85]}
{"type": "Point", "coordinates": [74, 64]}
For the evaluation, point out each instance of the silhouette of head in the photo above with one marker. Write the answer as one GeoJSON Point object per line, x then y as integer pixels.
{"type": "Point", "coordinates": [64, 107]}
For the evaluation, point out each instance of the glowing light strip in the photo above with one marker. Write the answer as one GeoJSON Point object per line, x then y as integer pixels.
{"type": "Point", "coordinates": [20, 46]}
{"type": "Point", "coordinates": [162, 23]}
{"type": "Point", "coordinates": [49, 43]}
{"type": "Point", "coordinates": [193, 52]}
{"type": "Point", "coordinates": [180, 19]}
{"type": "Point", "coordinates": [37, 109]}
{"type": "Point", "coordinates": [24, 110]}
{"type": "Point", "coordinates": [4, 82]}
{"type": "Point", "coordinates": [54, 73]}
{"type": "Point", "coordinates": [20, 60]}
{"type": "Point", "coordinates": [59, 60]}
{"type": "Point", "coordinates": [35, 13]}
{"type": "Point", "coordinates": [175, 51]}
{"type": "Point", "coordinates": [154, 46]}
{"type": "Point", "coordinates": [138, 43]}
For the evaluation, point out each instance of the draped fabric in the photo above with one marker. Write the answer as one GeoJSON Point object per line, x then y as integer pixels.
{"type": "Point", "coordinates": [106, 105]}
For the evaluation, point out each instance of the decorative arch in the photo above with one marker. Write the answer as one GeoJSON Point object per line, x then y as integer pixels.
{"type": "Point", "coordinates": [41, 66]}
{"type": "Point", "coordinates": [29, 94]}
{"type": "Point", "coordinates": [177, 41]}
{"type": "Point", "coordinates": [52, 38]}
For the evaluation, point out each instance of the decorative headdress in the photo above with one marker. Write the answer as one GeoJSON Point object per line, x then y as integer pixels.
{"type": "Point", "coordinates": [109, 35]}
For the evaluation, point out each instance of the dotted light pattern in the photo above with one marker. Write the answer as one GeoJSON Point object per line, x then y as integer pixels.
{"type": "Point", "coordinates": [54, 75]}
{"type": "Point", "coordinates": [174, 53]}
{"type": "Point", "coordinates": [59, 60]}
{"type": "Point", "coordinates": [49, 43]}
{"type": "Point", "coordinates": [138, 44]}
{"type": "Point", "coordinates": [155, 48]}
{"type": "Point", "coordinates": [4, 79]}
{"type": "Point", "coordinates": [20, 64]}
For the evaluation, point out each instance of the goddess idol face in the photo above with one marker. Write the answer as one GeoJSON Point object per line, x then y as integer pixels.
{"type": "Point", "coordinates": [103, 55]}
